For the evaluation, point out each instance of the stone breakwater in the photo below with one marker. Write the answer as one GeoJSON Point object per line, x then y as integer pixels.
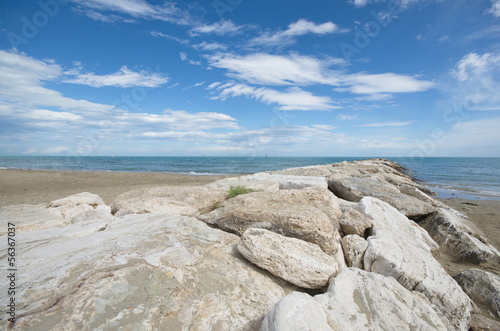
{"type": "Point", "coordinates": [346, 246]}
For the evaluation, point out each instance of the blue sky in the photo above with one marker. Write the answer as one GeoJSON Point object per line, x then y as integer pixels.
{"type": "Point", "coordinates": [410, 78]}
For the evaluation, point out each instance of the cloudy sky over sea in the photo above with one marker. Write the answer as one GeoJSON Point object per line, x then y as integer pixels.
{"type": "Point", "coordinates": [250, 77]}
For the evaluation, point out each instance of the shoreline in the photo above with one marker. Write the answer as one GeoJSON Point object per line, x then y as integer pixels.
{"type": "Point", "coordinates": [43, 186]}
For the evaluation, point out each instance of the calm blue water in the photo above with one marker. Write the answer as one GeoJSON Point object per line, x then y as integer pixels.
{"type": "Point", "coordinates": [460, 177]}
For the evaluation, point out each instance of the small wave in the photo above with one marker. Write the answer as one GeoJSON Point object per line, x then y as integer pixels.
{"type": "Point", "coordinates": [194, 173]}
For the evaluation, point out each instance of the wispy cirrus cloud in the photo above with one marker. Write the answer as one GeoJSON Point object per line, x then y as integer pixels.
{"type": "Point", "coordinates": [495, 8]}
{"type": "Point", "coordinates": [106, 10]}
{"type": "Point", "coordinates": [291, 99]}
{"type": "Point", "coordinates": [122, 78]}
{"type": "Point", "coordinates": [402, 3]}
{"type": "Point", "coordinates": [220, 28]}
{"type": "Point", "coordinates": [299, 28]}
{"type": "Point", "coordinates": [207, 46]}
{"type": "Point", "coordinates": [473, 83]}
{"type": "Point", "coordinates": [473, 65]}
{"type": "Point", "coordinates": [269, 69]}
{"type": "Point", "coordinates": [383, 83]}
{"type": "Point", "coordinates": [384, 124]}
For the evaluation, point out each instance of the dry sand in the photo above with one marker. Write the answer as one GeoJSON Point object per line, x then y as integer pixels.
{"type": "Point", "coordinates": [42, 186]}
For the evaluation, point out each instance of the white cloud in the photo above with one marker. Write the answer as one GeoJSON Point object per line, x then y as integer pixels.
{"type": "Point", "coordinates": [268, 69]}
{"type": "Point", "coordinates": [177, 120]}
{"type": "Point", "coordinates": [384, 83]}
{"type": "Point", "coordinates": [444, 38]}
{"type": "Point", "coordinates": [475, 65]}
{"type": "Point", "coordinates": [292, 99]}
{"type": "Point", "coordinates": [474, 82]}
{"type": "Point", "coordinates": [164, 35]}
{"type": "Point", "coordinates": [135, 8]}
{"type": "Point", "coordinates": [21, 80]}
{"type": "Point", "coordinates": [96, 16]}
{"type": "Point", "coordinates": [299, 28]}
{"type": "Point", "coordinates": [402, 3]}
{"type": "Point", "coordinates": [284, 139]}
{"type": "Point", "coordinates": [360, 3]}
{"type": "Point", "coordinates": [205, 46]}
{"type": "Point", "coordinates": [378, 125]}
{"type": "Point", "coordinates": [220, 28]}
{"type": "Point", "coordinates": [55, 150]}
{"type": "Point", "coordinates": [343, 117]}
{"type": "Point", "coordinates": [324, 127]}
{"type": "Point", "coordinates": [495, 8]}
{"type": "Point", "coordinates": [294, 69]}
{"type": "Point", "coordinates": [478, 138]}
{"type": "Point", "coordinates": [122, 78]}
{"type": "Point", "coordinates": [184, 57]}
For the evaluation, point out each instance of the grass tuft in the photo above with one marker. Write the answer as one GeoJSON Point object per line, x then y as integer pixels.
{"type": "Point", "coordinates": [238, 190]}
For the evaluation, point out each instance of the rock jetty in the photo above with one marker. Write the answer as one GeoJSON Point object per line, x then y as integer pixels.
{"type": "Point", "coordinates": [346, 246]}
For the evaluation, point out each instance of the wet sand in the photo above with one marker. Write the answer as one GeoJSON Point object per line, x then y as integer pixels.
{"type": "Point", "coordinates": [485, 218]}
{"type": "Point", "coordinates": [42, 186]}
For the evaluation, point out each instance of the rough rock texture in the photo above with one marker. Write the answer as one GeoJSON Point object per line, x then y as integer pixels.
{"type": "Point", "coordinates": [73, 205]}
{"type": "Point", "coordinates": [457, 238]}
{"type": "Point", "coordinates": [482, 323]}
{"type": "Point", "coordinates": [417, 193]}
{"type": "Point", "coordinates": [262, 184]}
{"type": "Point", "coordinates": [398, 249]}
{"type": "Point", "coordinates": [296, 312]}
{"type": "Point", "coordinates": [356, 300]}
{"type": "Point", "coordinates": [30, 218]}
{"type": "Point", "coordinates": [354, 250]}
{"type": "Point", "coordinates": [78, 208]}
{"type": "Point", "coordinates": [354, 189]}
{"type": "Point", "coordinates": [142, 272]}
{"type": "Point", "coordinates": [307, 214]}
{"type": "Point", "coordinates": [382, 170]}
{"type": "Point", "coordinates": [296, 261]}
{"type": "Point", "coordinates": [178, 200]}
{"type": "Point", "coordinates": [314, 171]}
{"type": "Point", "coordinates": [289, 182]}
{"type": "Point", "coordinates": [482, 287]}
{"type": "Point", "coordinates": [353, 222]}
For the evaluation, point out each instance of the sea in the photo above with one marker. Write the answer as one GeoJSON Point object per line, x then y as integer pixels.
{"type": "Point", "coordinates": [460, 177]}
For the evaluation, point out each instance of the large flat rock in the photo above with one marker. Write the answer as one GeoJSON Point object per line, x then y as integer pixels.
{"type": "Point", "coordinates": [175, 200]}
{"type": "Point", "coordinates": [355, 188]}
{"type": "Point", "coordinates": [307, 214]}
{"type": "Point", "coordinates": [138, 272]}
{"type": "Point", "coordinates": [399, 249]}
{"type": "Point", "coordinates": [296, 261]}
{"type": "Point", "coordinates": [356, 300]}
{"type": "Point", "coordinates": [458, 239]}
{"type": "Point", "coordinates": [482, 287]}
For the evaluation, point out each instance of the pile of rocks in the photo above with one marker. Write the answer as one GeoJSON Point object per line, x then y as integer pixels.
{"type": "Point", "coordinates": [331, 247]}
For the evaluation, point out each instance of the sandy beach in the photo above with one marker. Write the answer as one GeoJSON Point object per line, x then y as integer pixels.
{"type": "Point", "coordinates": [43, 186]}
